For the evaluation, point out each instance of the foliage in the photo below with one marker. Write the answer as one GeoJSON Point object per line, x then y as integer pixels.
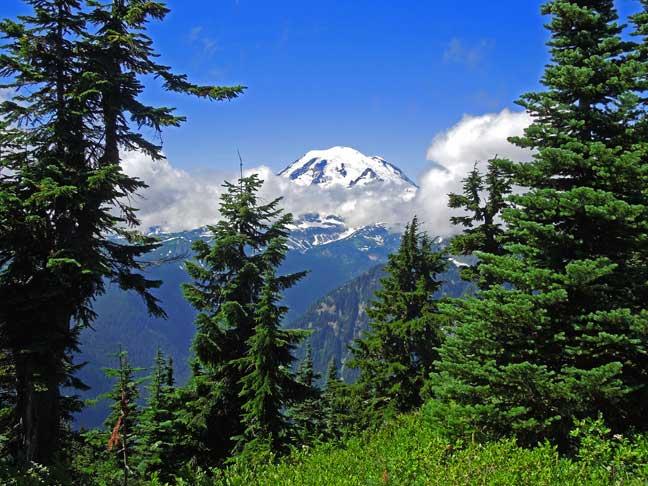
{"type": "Point", "coordinates": [121, 425]}
{"type": "Point", "coordinates": [562, 334]}
{"type": "Point", "coordinates": [229, 289]}
{"type": "Point", "coordinates": [74, 69]}
{"type": "Point", "coordinates": [269, 385]}
{"type": "Point", "coordinates": [155, 428]}
{"type": "Point", "coordinates": [338, 408]}
{"type": "Point", "coordinates": [307, 415]}
{"type": "Point", "coordinates": [396, 354]}
{"type": "Point", "coordinates": [539, 378]}
{"type": "Point", "coordinates": [483, 200]}
{"type": "Point", "coordinates": [409, 450]}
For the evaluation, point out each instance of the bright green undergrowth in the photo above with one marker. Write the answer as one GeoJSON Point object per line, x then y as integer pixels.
{"type": "Point", "coordinates": [411, 452]}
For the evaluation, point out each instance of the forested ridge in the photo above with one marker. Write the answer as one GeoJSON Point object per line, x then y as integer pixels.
{"type": "Point", "coordinates": [538, 376]}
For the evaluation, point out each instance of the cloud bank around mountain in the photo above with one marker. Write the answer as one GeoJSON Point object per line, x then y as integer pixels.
{"type": "Point", "coordinates": [453, 153]}
{"type": "Point", "coordinates": [175, 199]}
{"type": "Point", "coordinates": [178, 200]}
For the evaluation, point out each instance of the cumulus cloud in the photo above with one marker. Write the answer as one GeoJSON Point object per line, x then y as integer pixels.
{"type": "Point", "coordinates": [175, 199]}
{"type": "Point", "coordinates": [178, 200]}
{"type": "Point", "coordinates": [359, 206]}
{"type": "Point", "coordinates": [453, 153]}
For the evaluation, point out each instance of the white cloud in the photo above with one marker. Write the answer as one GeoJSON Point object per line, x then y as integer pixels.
{"type": "Point", "coordinates": [475, 139]}
{"type": "Point", "coordinates": [175, 200]}
{"type": "Point", "coordinates": [359, 206]}
{"type": "Point", "coordinates": [178, 200]}
{"type": "Point", "coordinates": [470, 55]}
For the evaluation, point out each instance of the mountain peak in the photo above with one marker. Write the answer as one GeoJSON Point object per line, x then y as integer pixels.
{"type": "Point", "coordinates": [345, 167]}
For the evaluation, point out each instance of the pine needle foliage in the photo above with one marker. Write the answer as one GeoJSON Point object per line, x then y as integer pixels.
{"type": "Point", "coordinates": [74, 70]}
{"type": "Point", "coordinates": [230, 278]}
{"type": "Point", "coordinates": [269, 385]}
{"type": "Point", "coordinates": [397, 354]}
{"type": "Point", "coordinates": [562, 333]}
{"type": "Point", "coordinates": [483, 199]}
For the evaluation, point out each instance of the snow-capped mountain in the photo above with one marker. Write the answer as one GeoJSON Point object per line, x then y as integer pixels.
{"type": "Point", "coordinates": [343, 168]}
{"type": "Point", "coordinates": [336, 253]}
{"type": "Point", "coordinates": [346, 167]}
{"type": "Point", "coordinates": [313, 230]}
{"type": "Point", "coordinates": [335, 169]}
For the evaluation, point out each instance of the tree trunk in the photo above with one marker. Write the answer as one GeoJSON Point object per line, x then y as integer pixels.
{"type": "Point", "coordinates": [38, 409]}
{"type": "Point", "coordinates": [38, 373]}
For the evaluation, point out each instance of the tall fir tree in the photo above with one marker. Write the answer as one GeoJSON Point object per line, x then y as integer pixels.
{"type": "Point", "coordinates": [307, 414]}
{"type": "Point", "coordinates": [155, 428]}
{"type": "Point", "coordinates": [124, 417]}
{"type": "Point", "coordinates": [397, 354]}
{"type": "Point", "coordinates": [269, 385]}
{"type": "Point", "coordinates": [228, 278]}
{"type": "Point", "coordinates": [483, 199]}
{"type": "Point", "coordinates": [42, 145]}
{"type": "Point", "coordinates": [75, 76]}
{"type": "Point", "coordinates": [566, 337]}
{"type": "Point", "coordinates": [344, 411]}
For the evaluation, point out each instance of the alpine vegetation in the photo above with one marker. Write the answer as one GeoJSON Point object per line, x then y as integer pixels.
{"type": "Point", "coordinates": [305, 339]}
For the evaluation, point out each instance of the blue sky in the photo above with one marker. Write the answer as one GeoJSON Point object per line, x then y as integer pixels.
{"type": "Point", "coordinates": [381, 76]}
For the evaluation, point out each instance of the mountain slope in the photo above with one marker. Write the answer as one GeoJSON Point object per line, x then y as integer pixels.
{"type": "Point", "coordinates": [123, 320]}
{"type": "Point", "coordinates": [332, 251]}
{"type": "Point", "coordinates": [340, 317]}
{"type": "Point", "coordinates": [346, 167]}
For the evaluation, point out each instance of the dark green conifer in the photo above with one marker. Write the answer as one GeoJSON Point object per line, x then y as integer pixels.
{"type": "Point", "coordinates": [483, 200]}
{"type": "Point", "coordinates": [155, 431]}
{"type": "Point", "coordinates": [340, 414]}
{"type": "Point", "coordinates": [306, 373]}
{"type": "Point", "coordinates": [269, 385]}
{"type": "Point", "coordinates": [565, 337]}
{"type": "Point", "coordinates": [75, 76]}
{"type": "Point", "coordinates": [228, 277]}
{"type": "Point", "coordinates": [123, 421]}
{"type": "Point", "coordinates": [307, 414]}
{"type": "Point", "coordinates": [396, 355]}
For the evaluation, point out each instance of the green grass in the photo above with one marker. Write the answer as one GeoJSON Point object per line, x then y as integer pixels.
{"type": "Point", "coordinates": [410, 452]}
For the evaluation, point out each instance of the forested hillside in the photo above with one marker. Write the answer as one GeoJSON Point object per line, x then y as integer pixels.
{"type": "Point", "coordinates": [340, 317]}
{"type": "Point", "coordinates": [516, 352]}
{"type": "Point", "coordinates": [123, 321]}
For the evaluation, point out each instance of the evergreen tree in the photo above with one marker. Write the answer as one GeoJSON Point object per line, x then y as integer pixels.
{"type": "Point", "coordinates": [306, 372]}
{"type": "Point", "coordinates": [269, 385]}
{"type": "Point", "coordinates": [155, 432]}
{"type": "Point", "coordinates": [340, 414]}
{"type": "Point", "coordinates": [75, 73]}
{"type": "Point", "coordinates": [308, 414]}
{"type": "Point", "coordinates": [248, 241]}
{"type": "Point", "coordinates": [396, 355]}
{"type": "Point", "coordinates": [40, 130]}
{"type": "Point", "coordinates": [124, 417]}
{"type": "Point", "coordinates": [483, 200]}
{"type": "Point", "coordinates": [7, 402]}
{"type": "Point", "coordinates": [566, 337]}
